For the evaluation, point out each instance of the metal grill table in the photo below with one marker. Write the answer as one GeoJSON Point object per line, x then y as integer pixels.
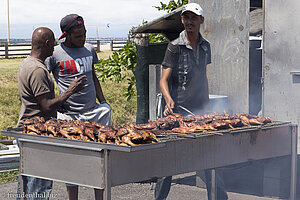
{"type": "Point", "coordinates": [101, 166]}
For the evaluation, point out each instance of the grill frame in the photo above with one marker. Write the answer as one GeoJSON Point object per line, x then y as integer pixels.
{"type": "Point", "coordinates": [102, 166]}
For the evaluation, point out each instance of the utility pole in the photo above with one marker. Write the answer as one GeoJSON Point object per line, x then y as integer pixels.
{"type": "Point", "coordinates": [8, 24]}
{"type": "Point", "coordinates": [97, 36]}
{"type": "Point", "coordinates": [97, 33]}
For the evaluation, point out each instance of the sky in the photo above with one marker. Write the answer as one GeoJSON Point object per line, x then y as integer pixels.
{"type": "Point", "coordinates": [112, 18]}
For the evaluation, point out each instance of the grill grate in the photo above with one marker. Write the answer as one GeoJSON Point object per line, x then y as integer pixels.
{"type": "Point", "coordinates": [169, 135]}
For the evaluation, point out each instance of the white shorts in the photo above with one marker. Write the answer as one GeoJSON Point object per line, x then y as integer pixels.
{"type": "Point", "coordinates": [101, 113]}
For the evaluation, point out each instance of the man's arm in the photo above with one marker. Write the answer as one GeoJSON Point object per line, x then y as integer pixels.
{"type": "Point", "coordinates": [48, 104]}
{"type": "Point", "coordinates": [164, 88]}
{"type": "Point", "coordinates": [99, 93]}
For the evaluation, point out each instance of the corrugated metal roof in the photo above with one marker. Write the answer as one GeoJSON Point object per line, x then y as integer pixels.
{"type": "Point", "coordinates": [169, 24]}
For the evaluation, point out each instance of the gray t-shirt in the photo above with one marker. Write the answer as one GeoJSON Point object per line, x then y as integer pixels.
{"type": "Point", "coordinates": [66, 64]}
{"type": "Point", "coordinates": [34, 80]}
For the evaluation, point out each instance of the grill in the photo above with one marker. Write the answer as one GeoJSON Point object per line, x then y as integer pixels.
{"type": "Point", "coordinates": [102, 166]}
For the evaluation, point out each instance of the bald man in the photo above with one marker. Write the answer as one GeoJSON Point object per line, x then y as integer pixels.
{"type": "Point", "coordinates": [36, 91]}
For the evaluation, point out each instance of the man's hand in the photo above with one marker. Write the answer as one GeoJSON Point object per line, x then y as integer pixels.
{"type": "Point", "coordinates": [48, 104]}
{"type": "Point", "coordinates": [169, 107]}
{"type": "Point", "coordinates": [77, 84]}
{"type": "Point", "coordinates": [64, 108]}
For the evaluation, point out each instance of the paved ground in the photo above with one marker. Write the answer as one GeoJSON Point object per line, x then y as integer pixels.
{"type": "Point", "coordinates": [183, 188]}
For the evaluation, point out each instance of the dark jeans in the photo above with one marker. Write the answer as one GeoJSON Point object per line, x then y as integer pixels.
{"type": "Point", "coordinates": [35, 188]}
{"type": "Point", "coordinates": [163, 185]}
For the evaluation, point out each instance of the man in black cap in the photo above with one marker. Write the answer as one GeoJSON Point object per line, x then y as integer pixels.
{"type": "Point", "coordinates": [71, 59]}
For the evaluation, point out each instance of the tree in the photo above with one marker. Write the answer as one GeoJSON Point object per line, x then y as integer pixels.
{"type": "Point", "coordinates": [122, 63]}
{"type": "Point", "coordinates": [172, 5]}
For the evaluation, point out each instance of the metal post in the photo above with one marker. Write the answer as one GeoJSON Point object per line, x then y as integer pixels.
{"type": "Point", "coordinates": [294, 141]}
{"type": "Point", "coordinates": [98, 45]}
{"type": "Point", "coordinates": [8, 23]}
{"type": "Point", "coordinates": [21, 171]}
{"type": "Point", "coordinates": [97, 33]}
{"type": "Point", "coordinates": [154, 90]}
{"type": "Point", "coordinates": [128, 38]}
{"type": "Point", "coordinates": [107, 189]}
{"type": "Point", "coordinates": [111, 45]}
{"type": "Point", "coordinates": [6, 49]}
{"type": "Point", "coordinates": [213, 190]}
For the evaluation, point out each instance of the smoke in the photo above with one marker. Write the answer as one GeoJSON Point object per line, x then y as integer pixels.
{"type": "Point", "coordinates": [218, 103]}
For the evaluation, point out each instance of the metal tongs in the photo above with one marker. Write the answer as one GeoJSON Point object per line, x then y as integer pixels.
{"type": "Point", "coordinates": [186, 110]}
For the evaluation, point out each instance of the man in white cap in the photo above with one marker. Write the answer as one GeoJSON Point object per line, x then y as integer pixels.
{"type": "Point", "coordinates": [184, 68]}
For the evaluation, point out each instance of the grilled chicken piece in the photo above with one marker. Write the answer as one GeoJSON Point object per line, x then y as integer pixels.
{"type": "Point", "coordinates": [52, 127]}
{"type": "Point", "coordinates": [219, 124]}
{"type": "Point", "coordinates": [132, 132]}
{"type": "Point", "coordinates": [102, 137]}
{"type": "Point", "coordinates": [244, 120]}
{"type": "Point", "coordinates": [33, 120]}
{"type": "Point", "coordinates": [71, 131]}
{"type": "Point", "coordinates": [105, 133]}
{"type": "Point", "coordinates": [265, 120]}
{"type": "Point", "coordinates": [96, 124]}
{"type": "Point", "coordinates": [233, 122]}
{"type": "Point", "coordinates": [118, 141]}
{"type": "Point", "coordinates": [168, 122]}
{"type": "Point", "coordinates": [255, 122]}
{"type": "Point", "coordinates": [65, 133]}
{"type": "Point", "coordinates": [121, 132]}
{"type": "Point", "coordinates": [184, 130]}
{"type": "Point", "coordinates": [152, 125]}
{"type": "Point", "coordinates": [134, 135]}
{"type": "Point", "coordinates": [90, 132]}
{"type": "Point", "coordinates": [33, 128]}
{"type": "Point", "coordinates": [149, 136]}
{"type": "Point", "coordinates": [177, 115]}
{"type": "Point", "coordinates": [128, 140]}
{"type": "Point", "coordinates": [75, 129]}
{"type": "Point", "coordinates": [189, 118]}
{"type": "Point", "coordinates": [85, 138]}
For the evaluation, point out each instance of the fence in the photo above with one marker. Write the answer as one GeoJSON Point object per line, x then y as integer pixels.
{"type": "Point", "coordinates": [9, 155]}
{"type": "Point", "coordinates": [22, 48]}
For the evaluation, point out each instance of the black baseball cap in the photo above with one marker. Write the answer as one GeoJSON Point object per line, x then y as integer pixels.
{"type": "Point", "coordinates": [68, 22]}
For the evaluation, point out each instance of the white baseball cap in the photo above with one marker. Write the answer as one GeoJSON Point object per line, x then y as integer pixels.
{"type": "Point", "coordinates": [193, 7]}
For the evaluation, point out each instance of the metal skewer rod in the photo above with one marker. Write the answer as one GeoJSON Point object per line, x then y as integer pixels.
{"type": "Point", "coordinates": [185, 109]}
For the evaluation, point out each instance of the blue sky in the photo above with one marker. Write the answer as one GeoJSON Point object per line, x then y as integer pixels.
{"type": "Point", "coordinates": [113, 18]}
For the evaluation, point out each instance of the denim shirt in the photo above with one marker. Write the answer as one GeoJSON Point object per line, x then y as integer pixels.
{"type": "Point", "coordinates": [188, 84]}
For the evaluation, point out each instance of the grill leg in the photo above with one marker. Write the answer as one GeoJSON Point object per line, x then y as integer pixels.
{"type": "Point", "coordinates": [107, 189]}
{"type": "Point", "coordinates": [294, 140]}
{"type": "Point", "coordinates": [213, 185]}
{"type": "Point", "coordinates": [21, 171]}
{"type": "Point", "coordinates": [21, 186]}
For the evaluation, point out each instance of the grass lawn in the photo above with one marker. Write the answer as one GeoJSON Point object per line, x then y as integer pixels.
{"type": "Point", "coordinates": [122, 111]}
